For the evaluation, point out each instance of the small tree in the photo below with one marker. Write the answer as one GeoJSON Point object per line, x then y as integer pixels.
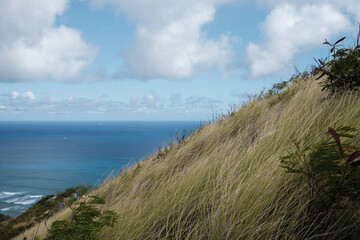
{"type": "Point", "coordinates": [331, 170]}
{"type": "Point", "coordinates": [86, 222]}
{"type": "Point", "coordinates": [343, 70]}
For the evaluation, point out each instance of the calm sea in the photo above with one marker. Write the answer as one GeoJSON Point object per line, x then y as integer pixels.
{"type": "Point", "coordinates": [41, 158]}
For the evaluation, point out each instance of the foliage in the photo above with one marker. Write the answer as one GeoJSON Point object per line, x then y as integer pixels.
{"type": "Point", "coordinates": [86, 222]}
{"type": "Point", "coordinates": [343, 70]}
{"type": "Point", "coordinates": [225, 181]}
{"type": "Point", "coordinates": [43, 209]}
{"type": "Point", "coordinates": [4, 217]}
{"type": "Point", "coordinates": [330, 169]}
{"type": "Point", "coordinates": [277, 87]}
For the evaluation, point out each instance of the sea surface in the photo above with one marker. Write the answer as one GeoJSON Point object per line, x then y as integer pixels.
{"type": "Point", "coordinates": [41, 158]}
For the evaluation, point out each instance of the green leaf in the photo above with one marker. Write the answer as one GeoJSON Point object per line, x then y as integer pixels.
{"type": "Point", "coordinates": [97, 200]}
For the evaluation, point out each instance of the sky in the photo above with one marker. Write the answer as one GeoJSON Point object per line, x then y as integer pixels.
{"type": "Point", "coordinates": [151, 60]}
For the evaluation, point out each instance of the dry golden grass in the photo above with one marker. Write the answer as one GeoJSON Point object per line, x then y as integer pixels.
{"type": "Point", "coordinates": [41, 229]}
{"type": "Point", "coordinates": [225, 181]}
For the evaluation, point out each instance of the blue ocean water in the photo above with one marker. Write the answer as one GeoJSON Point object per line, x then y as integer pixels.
{"type": "Point", "coordinates": [41, 158]}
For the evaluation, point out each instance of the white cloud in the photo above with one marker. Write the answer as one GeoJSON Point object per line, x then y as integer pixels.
{"type": "Point", "coordinates": [198, 102]}
{"type": "Point", "coordinates": [27, 102]}
{"type": "Point", "coordinates": [151, 101]}
{"type": "Point", "coordinates": [148, 103]}
{"type": "Point", "coordinates": [170, 42]}
{"type": "Point", "coordinates": [351, 6]}
{"type": "Point", "coordinates": [32, 48]}
{"type": "Point", "coordinates": [14, 95]}
{"type": "Point", "coordinates": [292, 28]}
{"type": "Point", "coordinates": [20, 97]}
{"type": "Point", "coordinates": [29, 95]}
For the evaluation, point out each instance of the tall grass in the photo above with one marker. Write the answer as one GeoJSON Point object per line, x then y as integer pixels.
{"type": "Point", "coordinates": [225, 181]}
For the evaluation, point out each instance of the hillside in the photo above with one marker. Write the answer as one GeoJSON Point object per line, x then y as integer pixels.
{"type": "Point", "coordinates": [225, 181]}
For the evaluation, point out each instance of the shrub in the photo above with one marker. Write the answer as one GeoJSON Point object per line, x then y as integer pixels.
{"type": "Point", "coordinates": [4, 217]}
{"type": "Point", "coordinates": [331, 170]}
{"type": "Point", "coordinates": [41, 210]}
{"type": "Point", "coordinates": [331, 173]}
{"type": "Point", "coordinates": [86, 222]}
{"type": "Point", "coordinates": [343, 70]}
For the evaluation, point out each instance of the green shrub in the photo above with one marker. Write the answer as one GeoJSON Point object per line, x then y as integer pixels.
{"type": "Point", "coordinates": [41, 210]}
{"type": "Point", "coordinates": [86, 222]}
{"type": "Point", "coordinates": [277, 88]}
{"type": "Point", "coordinates": [331, 174]}
{"type": "Point", "coordinates": [4, 217]}
{"type": "Point", "coordinates": [330, 169]}
{"type": "Point", "coordinates": [343, 70]}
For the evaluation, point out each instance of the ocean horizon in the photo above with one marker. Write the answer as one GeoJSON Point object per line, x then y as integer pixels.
{"type": "Point", "coordinates": [42, 158]}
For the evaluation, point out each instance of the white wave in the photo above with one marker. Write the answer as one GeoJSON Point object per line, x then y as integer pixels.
{"type": "Point", "coordinates": [9, 194]}
{"type": "Point", "coordinates": [13, 208]}
{"type": "Point", "coordinates": [6, 209]}
{"type": "Point", "coordinates": [12, 200]}
{"type": "Point", "coordinates": [13, 193]}
{"type": "Point", "coordinates": [20, 200]}
{"type": "Point", "coordinates": [35, 196]}
{"type": "Point", "coordinates": [26, 202]}
{"type": "Point", "coordinates": [5, 195]}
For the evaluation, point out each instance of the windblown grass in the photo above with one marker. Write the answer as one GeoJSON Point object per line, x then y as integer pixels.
{"type": "Point", "coordinates": [225, 181]}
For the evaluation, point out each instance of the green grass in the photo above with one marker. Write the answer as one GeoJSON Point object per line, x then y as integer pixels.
{"type": "Point", "coordinates": [225, 181]}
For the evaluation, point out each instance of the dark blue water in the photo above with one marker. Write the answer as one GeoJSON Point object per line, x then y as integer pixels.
{"type": "Point", "coordinates": [41, 158]}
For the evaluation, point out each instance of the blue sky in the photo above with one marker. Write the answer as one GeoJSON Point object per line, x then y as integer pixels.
{"type": "Point", "coordinates": [156, 59]}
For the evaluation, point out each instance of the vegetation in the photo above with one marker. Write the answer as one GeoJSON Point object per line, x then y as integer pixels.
{"type": "Point", "coordinates": [86, 222]}
{"type": "Point", "coordinates": [343, 70]}
{"type": "Point", "coordinates": [41, 210]}
{"type": "Point", "coordinates": [4, 217]}
{"type": "Point", "coordinates": [225, 180]}
{"type": "Point", "coordinates": [331, 172]}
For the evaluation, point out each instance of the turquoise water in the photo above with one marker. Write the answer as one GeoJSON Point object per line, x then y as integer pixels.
{"type": "Point", "coordinates": [41, 158]}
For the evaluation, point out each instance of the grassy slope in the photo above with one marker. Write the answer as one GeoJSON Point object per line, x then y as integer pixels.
{"type": "Point", "coordinates": [225, 181]}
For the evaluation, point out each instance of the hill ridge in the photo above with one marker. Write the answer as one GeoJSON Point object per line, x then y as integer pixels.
{"type": "Point", "coordinates": [225, 181]}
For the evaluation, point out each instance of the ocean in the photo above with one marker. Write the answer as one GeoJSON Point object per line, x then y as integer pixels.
{"type": "Point", "coordinates": [42, 158]}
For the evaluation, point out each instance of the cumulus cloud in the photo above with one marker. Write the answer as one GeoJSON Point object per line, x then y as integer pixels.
{"type": "Point", "coordinates": [202, 102]}
{"type": "Point", "coordinates": [32, 48]}
{"type": "Point", "coordinates": [27, 102]}
{"type": "Point", "coordinates": [24, 102]}
{"type": "Point", "coordinates": [351, 6]}
{"type": "Point", "coordinates": [148, 103]}
{"type": "Point", "coordinates": [151, 101]}
{"type": "Point", "coordinates": [20, 96]}
{"type": "Point", "coordinates": [29, 95]}
{"type": "Point", "coordinates": [170, 41]}
{"type": "Point", "coordinates": [292, 28]}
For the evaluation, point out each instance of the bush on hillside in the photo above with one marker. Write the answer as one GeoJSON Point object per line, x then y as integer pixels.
{"type": "Point", "coordinates": [86, 222]}
{"type": "Point", "coordinates": [343, 70]}
{"type": "Point", "coordinates": [331, 172]}
{"type": "Point", "coordinates": [331, 169]}
{"type": "Point", "coordinates": [44, 208]}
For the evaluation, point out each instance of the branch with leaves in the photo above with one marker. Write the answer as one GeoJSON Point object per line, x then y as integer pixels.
{"type": "Point", "coordinates": [343, 70]}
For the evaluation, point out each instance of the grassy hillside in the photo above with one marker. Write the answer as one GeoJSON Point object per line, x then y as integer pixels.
{"type": "Point", "coordinates": [225, 181]}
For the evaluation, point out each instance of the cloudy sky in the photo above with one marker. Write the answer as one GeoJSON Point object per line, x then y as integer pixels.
{"type": "Point", "coordinates": [156, 59]}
